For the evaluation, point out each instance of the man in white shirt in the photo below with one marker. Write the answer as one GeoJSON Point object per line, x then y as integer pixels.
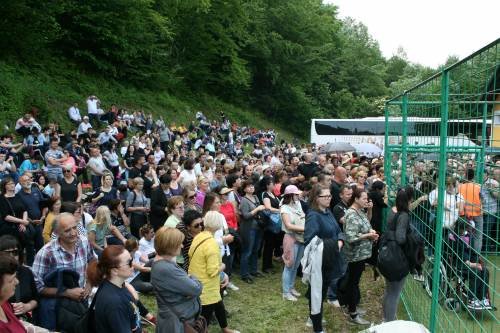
{"type": "Point", "coordinates": [74, 114]}
{"type": "Point", "coordinates": [96, 167]}
{"type": "Point", "coordinates": [92, 109]}
{"type": "Point", "coordinates": [105, 137]}
{"type": "Point", "coordinates": [84, 126]}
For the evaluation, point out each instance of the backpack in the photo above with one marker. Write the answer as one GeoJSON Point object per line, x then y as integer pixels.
{"type": "Point", "coordinates": [392, 261]}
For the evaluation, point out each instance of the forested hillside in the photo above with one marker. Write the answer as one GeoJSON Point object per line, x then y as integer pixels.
{"type": "Point", "coordinates": [287, 60]}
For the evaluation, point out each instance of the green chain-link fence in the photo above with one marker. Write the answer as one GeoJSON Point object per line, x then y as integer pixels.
{"type": "Point", "coordinates": [442, 139]}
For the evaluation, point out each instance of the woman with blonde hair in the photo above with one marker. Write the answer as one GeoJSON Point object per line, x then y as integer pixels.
{"type": "Point", "coordinates": [101, 228]}
{"type": "Point", "coordinates": [177, 293]}
{"type": "Point", "coordinates": [203, 188]}
{"type": "Point", "coordinates": [54, 206]}
{"type": "Point", "coordinates": [205, 262]}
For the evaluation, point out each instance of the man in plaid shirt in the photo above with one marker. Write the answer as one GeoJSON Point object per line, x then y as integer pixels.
{"type": "Point", "coordinates": [68, 251]}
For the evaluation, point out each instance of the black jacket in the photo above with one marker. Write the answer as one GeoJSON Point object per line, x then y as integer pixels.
{"type": "Point", "coordinates": [159, 200]}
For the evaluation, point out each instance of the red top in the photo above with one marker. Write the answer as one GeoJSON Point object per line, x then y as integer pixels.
{"type": "Point", "coordinates": [13, 325]}
{"type": "Point", "coordinates": [227, 209]}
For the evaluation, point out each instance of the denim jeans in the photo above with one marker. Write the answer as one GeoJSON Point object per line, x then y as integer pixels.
{"type": "Point", "coordinates": [478, 233]}
{"type": "Point", "coordinates": [290, 273]}
{"type": "Point", "coordinates": [249, 253]}
{"type": "Point", "coordinates": [489, 225]}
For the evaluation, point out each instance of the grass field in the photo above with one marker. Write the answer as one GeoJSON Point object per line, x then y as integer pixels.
{"type": "Point", "coordinates": [418, 303]}
{"type": "Point", "coordinates": [260, 308]}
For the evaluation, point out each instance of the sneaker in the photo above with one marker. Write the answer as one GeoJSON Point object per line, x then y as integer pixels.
{"type": "Point", "coordinates": [295, 293]}
{"type": "Point", "coordinates": [334, 302]}
{"type": "Point", "coordinates": [360, 311]}
{"type": "Point", "coordinates": [232, 286]}
{"type": "Point", "coordinates": [309, 322]}
{"type": "Point", "coordinates": [357, 319]}
{"type": "Point", "coordinates": [486, 304]}
{"type": "Point", "coordinates": [224, 293]}
{"type": "Point", "coordinates": [475, 305]}
{"type": "Point", "coordinates": [289, 297]}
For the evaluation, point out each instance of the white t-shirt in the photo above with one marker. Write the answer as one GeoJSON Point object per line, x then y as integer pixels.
{"type": "Point", "coordinates": [451, 211]}
{"type": "Point", "coordinates": [188, 177]}
{"type": "Point", "coordinates": [159, 155]}
{"type": "Point", "coordinates": [83, 128]}
{"type": "Point", "coordinates": [96, 163]}
{"type": "Point", "coordinates": [92, 106]}
{"type": "Point", "coordinates": [146, 247]}
{"type": "Point", "coordinates": [74, 114]}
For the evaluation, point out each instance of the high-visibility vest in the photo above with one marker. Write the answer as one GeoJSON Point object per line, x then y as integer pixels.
{"type": "Point", "coordinates": [471, 194]}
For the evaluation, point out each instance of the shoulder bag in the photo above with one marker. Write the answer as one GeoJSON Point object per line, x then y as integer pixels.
{"type": "Point", "coordinates": [392, 261]}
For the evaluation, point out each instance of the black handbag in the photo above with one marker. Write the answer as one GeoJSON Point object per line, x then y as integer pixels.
{"type": "Point", "coordinates": [86, 323]}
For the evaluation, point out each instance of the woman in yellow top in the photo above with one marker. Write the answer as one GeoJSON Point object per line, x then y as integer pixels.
{"type": "Point", "coordinates": [54, 208]}
{"type": "Point", "coordinates": [205, 263]}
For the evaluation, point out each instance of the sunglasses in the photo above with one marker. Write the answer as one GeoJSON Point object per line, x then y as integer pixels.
{"type": "Point", "coordinates": [324, 196]}
{"type": "Point", "coordinates": [198, 225]}
{"type": "Point", "coordinates": [14, 252]}
{"type": "Point", "coordinates": [67, 171]}
{"type": "Point", "coordinates": [192, 196]}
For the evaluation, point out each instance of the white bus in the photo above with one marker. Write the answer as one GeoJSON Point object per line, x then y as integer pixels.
{"type": "Point", "coordinates": [421, 131]}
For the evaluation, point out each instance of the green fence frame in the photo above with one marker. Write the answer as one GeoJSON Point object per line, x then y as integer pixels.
{"type": "Point", "coordinates": [460, 98]}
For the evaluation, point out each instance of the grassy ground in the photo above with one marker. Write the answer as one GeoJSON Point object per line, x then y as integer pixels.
{"type": "Point", "coordinates": [54, 88]}
{"type": "Point", "coordinates": [260, 308]}
{"type": "Point", "coordinates": [418, 303]}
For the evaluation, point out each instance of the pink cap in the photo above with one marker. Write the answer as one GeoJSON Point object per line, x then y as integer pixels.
{"type": "Point", "coordinates": [292, 189]}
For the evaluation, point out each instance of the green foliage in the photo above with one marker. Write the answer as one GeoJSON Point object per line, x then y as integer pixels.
{"type": "Point", "coordinates": [288, 60]}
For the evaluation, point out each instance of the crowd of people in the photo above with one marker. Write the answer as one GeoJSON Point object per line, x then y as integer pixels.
{"type": "Point", "coordinates": [125, 204]}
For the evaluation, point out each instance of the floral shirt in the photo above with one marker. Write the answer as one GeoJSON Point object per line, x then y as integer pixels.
{"type": "Point", "coordinates": [356, 224]}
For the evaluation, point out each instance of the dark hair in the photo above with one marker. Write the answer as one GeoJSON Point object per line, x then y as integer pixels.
{"type": "Point", "coordinates": [264, 183]}
{"type": "Point", "coordinates": [190, 216]}
{"type": "Point", "coordinates": [344, 187]}
{"type": "Point", "coordinates": [356, 194]}
{"type": "Point", "coordinates": [245, 184]}
{"type": "Point", "coordinates": [314, 195]}
{"type": "Point", "coordinates": [209, 201]}
{"type": "Point", "coordinates": [69, 207]}
{"type": "Point", "coordinates": [97, 271]}
{"type": "Point", "coordinates": [165, 178]}
{"type": "Point", "coordinates": [113, 204]}
{"type": "Point", "coordinates": [4, 182]}
{"type": "Point", "coordinates": [470, 174]}
{"type": "Point", "coordinates": [410, 192]}
{"type": "Point", "coordinates": [51, 202]}
{"type": "Point", "coordinates": [10, 242]}
{"type": "Point", "coordinates": [8, 265]}
{"type": "Point", "coordinates": [402, 201]}
{"type": "Point", "coordinates": [287, 198]}
{"type": "Point", "coordinates": [231, 179]}
{"type": "Point", "coordinates": [378, 185]}
{"type": "Point", "coordinates": [189, 164]}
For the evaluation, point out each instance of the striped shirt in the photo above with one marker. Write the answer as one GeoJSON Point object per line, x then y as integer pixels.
{"type": "Point", "coordinates": [53, 256]}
